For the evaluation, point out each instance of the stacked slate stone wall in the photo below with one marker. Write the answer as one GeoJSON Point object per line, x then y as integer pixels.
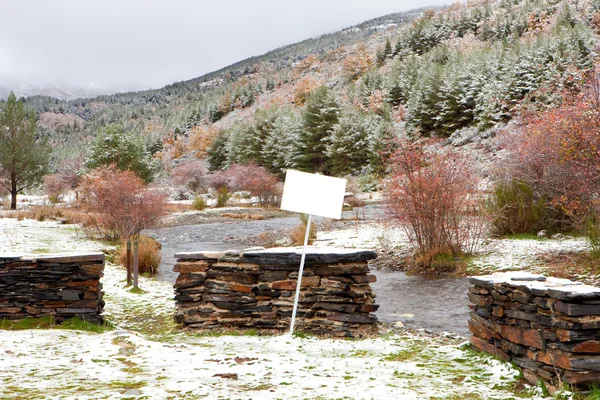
{"type": "Point", "coordinates": [255, 290]}
{"type": "Point", "coordinates": [549, 327]}
{"type": "Point", "coordinates": [57, 285]}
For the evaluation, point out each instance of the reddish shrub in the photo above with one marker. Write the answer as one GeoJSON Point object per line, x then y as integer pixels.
{"type": "Point", "coordinates": [251, 178]}
{"type": "Point", "coordinates": [432, 195]}
{"type": "Point", "coordinates": [191, 174]}
{"type": "Point", "coordinates": [55, 186]}
{"type": "Point", "coordinates": [558, 155]}
{"type": "Point", "coordinates": [120, 202]}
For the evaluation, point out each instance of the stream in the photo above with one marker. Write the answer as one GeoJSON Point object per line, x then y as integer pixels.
{"type": "Point", "coordinates": [439, 305]}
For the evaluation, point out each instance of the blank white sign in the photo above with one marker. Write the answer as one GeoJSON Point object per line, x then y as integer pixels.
{"type": "Point", "coordinates": [313, 194]}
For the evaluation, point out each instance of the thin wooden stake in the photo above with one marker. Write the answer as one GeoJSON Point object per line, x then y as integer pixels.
{"type": "Point", "coordinates": [128, 262]}
{"type": "Point", "coordinates": [135, 264]}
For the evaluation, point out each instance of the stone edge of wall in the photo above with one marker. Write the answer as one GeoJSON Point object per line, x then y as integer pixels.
{"type": "Point", "coordinates": [550, 327]}
{"type": "Point", "coordinates": [34, 285]}
{"type": "Point", "coordinates": [254, 288]}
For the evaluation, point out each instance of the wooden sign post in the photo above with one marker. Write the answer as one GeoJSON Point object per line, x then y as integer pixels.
{"type": "Point", "coordinates": [311, 194]}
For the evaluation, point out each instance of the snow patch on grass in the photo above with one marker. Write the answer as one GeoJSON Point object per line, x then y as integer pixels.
{"type": "Point", "coordinates": [147, 356]}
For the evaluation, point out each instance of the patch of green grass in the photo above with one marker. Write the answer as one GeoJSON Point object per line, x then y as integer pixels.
{"type": "Point", "coordinates": [211, 333]}
{"type": "Point", "coordinates": [262, 386]}
{"type": "Point", "coordinates": [49, 322]}
{"type": "Point", "coordinates": [301, 334]}
{"type": "Point", "coordinates": [137, 290]}
{"type": "Point", "coordinates": [127, 385]}
{"type": "Point", "coordinates": [403, 375]}
{"type": "Point", "coordinates": [359, 353]}
{"type": "Point", "coordinates": [593, 394]}
{"type": "Point", "coordinates": [28, 323]}
{"type": "Point", "coordinates": [415, 350]}
{"type": "Point", "coordinates": [132, 370]}
{"type": "Point", "coordinates": [78, 324]}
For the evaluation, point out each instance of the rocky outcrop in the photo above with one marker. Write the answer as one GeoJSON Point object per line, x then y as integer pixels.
{"type": "Point", "coordinates": [549, 327]}
{"type": "Point", "coordinates": [57, 285]}
{"type": "Point", "coordinates": [255, 289]}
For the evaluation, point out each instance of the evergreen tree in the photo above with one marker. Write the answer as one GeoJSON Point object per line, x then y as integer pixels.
{"type": "Point", "coordinates": [113, 145]}
{"type": "Point", "coordinates": [281, 149]}
{"type": "Point", "coordinates": [425, 101]}
{"type": "Point", "coordinates": [349, 150]}
{"type": "Point", "coordinates": [217, 152]}
{"type": "Point", "coordinates": [242, 145]}
{"type": "Point", "coordinates": [387, 49]}
{"type": "Point", "coordinates": [319, 117]}
{"type": "Point", "coordinates": [23, 156]}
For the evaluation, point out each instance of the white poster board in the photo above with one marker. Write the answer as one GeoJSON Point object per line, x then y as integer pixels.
{"type": "Point", "coordinates": [313, 194]}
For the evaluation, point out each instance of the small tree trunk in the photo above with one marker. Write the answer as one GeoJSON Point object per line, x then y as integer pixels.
{"type": "Point", "coordinates": [13, 195]}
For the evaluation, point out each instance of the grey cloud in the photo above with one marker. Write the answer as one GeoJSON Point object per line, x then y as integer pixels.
{"type": "Point", "coordinates": [138, 44]}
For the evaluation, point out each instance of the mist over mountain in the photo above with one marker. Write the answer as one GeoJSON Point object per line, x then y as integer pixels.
{"type": "Point", "coordinates": [24, 87]}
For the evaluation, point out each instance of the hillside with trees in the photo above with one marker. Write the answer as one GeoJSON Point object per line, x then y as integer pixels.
{"type": "Point", "coordinates": [336, 104]}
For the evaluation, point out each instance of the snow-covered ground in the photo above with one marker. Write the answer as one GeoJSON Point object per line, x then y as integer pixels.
{"type": "Point", "coordinates": [493, 255]}
{"type": "Point", "coordinates": [521, 254]}
{"type": "Point", "coordinates": [146, 357]}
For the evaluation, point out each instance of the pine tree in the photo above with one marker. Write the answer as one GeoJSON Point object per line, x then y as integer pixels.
{"type": "Point", "coordinates": [319, 117]}
{"type": "Point", "coordinates": [350, 147]}
{"type": "Point", "coordinates": [242, 144]}
{"type": "Point", "coordinates": [23, 156]}
{"type": "Point", "coordinates": [281, 149]}
{"type": "Point", "coordinates": [217, 152]}
{"type": "Point", "coordinates": [425, 101]}
{"type": "Point", "coordinates": [114, 145]}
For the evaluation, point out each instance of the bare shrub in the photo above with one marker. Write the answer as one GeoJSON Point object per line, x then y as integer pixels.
{"type": "Point", "coordinates": [433, 196]}
{"type": "Point", "coordinates": [148, 254]}
{"type": "Point", "coordinates": [193, 175]}
{"type": "Point", "coordinates": [556, 155]}
{"type": "Point", "coordinates": [119, 203]}
{"type": "Point", "coordinates": [55, 186]}
{"type": "Point", "coordinates": [251, 178]}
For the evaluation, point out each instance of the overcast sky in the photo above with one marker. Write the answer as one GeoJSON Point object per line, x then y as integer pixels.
{"type": "Point", "coordinates": [141, 44]}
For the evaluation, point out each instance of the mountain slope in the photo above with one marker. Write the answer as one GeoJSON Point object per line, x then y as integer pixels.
{"type": "Point", "coordinates": [430, 73]}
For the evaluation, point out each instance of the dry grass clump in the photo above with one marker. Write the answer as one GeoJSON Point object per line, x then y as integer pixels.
{"type": "Point", "coordinates": [49, 212]}
{"type": "Point", "coordinates": [254, 217]}
{"type": "Point", "coordinates": [148, 254]}
{"type": "Point", "coordinates": [178, 207]}
{"type": "Point", "coordinates": [297, 234]}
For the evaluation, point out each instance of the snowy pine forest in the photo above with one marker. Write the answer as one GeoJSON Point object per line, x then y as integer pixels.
{"type": "Point", "coordinates": [334, 104]}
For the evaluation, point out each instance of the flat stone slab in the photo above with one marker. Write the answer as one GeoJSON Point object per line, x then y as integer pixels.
{"type": "Point", "coordinates": [55, 257]}
{"type": "Point", "coordinates": [285, 255]}
{"type": "Point", "coordinates": [539, 285]}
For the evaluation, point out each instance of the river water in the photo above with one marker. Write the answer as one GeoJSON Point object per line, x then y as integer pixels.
{"type": "Point", "coordinates": [440, 305]}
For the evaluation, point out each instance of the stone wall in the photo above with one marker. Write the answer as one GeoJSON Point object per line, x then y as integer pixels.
{"type": "Point", "coordinates": [57, 285]}
{"type": "Point", "coordinates": [549, 327]}
{"type": "Point", "coordinates": [255, 289]}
